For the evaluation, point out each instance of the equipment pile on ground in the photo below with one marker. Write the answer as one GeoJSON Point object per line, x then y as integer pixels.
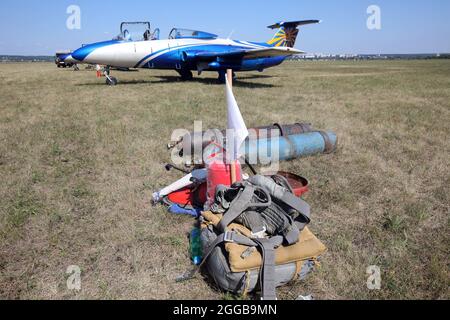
{"type": "Point", "coordinates": [255, 237]}
{"type": "Point", "coordinates": [253, 232]}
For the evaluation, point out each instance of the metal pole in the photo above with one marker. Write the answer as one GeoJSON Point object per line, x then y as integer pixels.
{"type": "Point", "coordinates": [233, 162]}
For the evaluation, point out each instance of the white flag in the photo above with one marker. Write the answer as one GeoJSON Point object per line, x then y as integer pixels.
{"type": "Point", "coordinates": [236, 124]}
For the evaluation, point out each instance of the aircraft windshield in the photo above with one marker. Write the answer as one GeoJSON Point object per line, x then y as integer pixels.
{"type": "Point", "coordinates": [190, 34]}
{"type": "Point", "coordinates": [137, 31]}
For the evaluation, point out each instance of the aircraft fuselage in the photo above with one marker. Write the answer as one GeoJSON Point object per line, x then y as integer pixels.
{"type": "Point", "coordinates": [175, 54]}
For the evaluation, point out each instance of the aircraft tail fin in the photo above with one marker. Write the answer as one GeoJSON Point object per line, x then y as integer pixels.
{"type": "Point", "coordinates": [287, 32]}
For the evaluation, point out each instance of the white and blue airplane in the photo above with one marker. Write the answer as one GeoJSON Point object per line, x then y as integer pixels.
{"type": "Point", "coordinates": [190, 50]}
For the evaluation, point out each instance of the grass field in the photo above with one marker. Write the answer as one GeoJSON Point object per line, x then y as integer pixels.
{"type": "Point", "coordinates": [79, 161]}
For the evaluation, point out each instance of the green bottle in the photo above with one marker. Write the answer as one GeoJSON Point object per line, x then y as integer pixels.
{"type": "Point", "coordinates": [196, 246]}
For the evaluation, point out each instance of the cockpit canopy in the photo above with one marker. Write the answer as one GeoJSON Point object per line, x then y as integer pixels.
{"type": "Point", "coordinates": [141, 31]}
{"type": "Point", "coordinates": [177, 33]}
{"type": "Point", "coordinates": [137, 31]}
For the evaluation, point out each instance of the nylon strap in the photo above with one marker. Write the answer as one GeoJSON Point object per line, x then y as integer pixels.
{"type": "Point", "coordinates": [239, 205]}
{"type": "Point", "coordinates": [267, 272]}
{"type": "Point", "coordinates": [298, 204]}
{"type": "Point", "coordinates": [293, 233]}
{"type": "Point", "coordinates": [288, 198]}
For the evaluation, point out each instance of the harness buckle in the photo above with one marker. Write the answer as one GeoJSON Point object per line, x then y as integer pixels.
{"type": "Point", "coordinates": [259, 234]}
{"type": "Point", "coordinates": [228, 236]}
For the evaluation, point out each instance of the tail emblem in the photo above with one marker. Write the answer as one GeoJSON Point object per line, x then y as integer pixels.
{"type": "Point", "coordinates": [279, 40]}
{"type": "Point", "coordinates": [291, 36]}
{"type": "Point", "coordinates": [285, 37]}
{"type": "Point", "coordinates": [288, 32]}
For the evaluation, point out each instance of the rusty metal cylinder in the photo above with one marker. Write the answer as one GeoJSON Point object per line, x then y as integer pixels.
{"type": "Point", "coordinates": [200, 140]}
{"type": "Point", "coordinates": [275, 149]}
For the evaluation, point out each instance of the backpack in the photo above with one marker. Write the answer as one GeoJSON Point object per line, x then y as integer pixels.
{"type": "Point", "coordinates": [255, 237]}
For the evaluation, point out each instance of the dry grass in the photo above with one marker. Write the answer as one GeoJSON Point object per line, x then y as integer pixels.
{"type": "Point", "coordinates": [79, 160]}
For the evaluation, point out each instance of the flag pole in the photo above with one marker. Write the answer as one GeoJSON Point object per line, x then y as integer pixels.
{"type": "Point", "coordinates": [230, 77]}
{"type": "Point", "coordinates": [233, 162]}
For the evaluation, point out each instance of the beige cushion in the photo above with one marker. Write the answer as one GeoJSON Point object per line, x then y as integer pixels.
{"type": "Point", "coordinates": [308, 247]}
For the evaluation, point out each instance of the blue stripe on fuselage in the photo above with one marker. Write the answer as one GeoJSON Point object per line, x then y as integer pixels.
{"type": "Point", "coordinates": [169, 59]}
{"type": "Point", "coordinates": [81, 53]}
{"type": "Point", "coordinates": [63, 56]}
{"type": "Point", "coordinates": [173, 54]}
{"type": "Point", "coordinates": [158, 52]}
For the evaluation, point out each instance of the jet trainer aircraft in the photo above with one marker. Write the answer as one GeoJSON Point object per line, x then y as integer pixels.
{"type": "Point", "coordinates": [190, 50]}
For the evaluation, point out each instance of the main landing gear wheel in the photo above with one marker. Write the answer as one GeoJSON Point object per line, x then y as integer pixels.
{"type": "Point", "coordinates": [223, 75]}
{"type": "Point", "coordinates": [111, 81]}
{"type": "Point", "coordinates": [186, 75]}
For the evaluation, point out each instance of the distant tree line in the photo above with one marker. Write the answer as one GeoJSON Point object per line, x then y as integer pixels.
{"type": "Point", "coordinates": [27, 58]}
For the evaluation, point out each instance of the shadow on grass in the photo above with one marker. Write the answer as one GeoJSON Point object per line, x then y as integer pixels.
{"type": "Point", "coordinates": [211, 81]}
{"type": "Point", "coordinates": [206, 81]}
{"type": "Point", "coordinates": [226, 296]}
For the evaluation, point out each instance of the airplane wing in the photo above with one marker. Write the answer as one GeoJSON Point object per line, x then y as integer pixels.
{"type": "Point", "coordinates": [247, 54]}
{"type": "Point", "coordinates": [270, 52]}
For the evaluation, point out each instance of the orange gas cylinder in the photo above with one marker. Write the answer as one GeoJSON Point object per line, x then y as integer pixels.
{"type": "Point", "coordinates": [219, 173]}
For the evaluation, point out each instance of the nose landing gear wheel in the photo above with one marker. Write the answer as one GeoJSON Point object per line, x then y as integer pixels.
{"type": "Point", "coordinates": [111, 81]}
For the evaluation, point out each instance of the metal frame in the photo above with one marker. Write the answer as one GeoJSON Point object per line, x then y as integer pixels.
{"type": "Point", "coordinates": [135, 22]}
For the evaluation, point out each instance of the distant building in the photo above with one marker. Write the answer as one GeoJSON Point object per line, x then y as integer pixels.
{"type": "Point", "coordinates": [323, 56]}
{"type": "Point", "coordinates": [351, 56]}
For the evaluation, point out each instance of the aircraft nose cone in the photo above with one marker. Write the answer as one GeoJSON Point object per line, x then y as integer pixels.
{"type": "Point", "coordinates": [82, 53]}
{"type": "Point", "coordinates": [69, 59]}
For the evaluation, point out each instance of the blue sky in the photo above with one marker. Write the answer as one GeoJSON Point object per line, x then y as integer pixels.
{"type": "Point", "coordinates": [38, 27]}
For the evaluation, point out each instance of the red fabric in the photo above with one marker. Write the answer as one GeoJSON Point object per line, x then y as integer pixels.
{"type": "Point", "coordinates": [221, 174]}
{"type": "Point", "coordinates": [301, 191]}
{"type": "Point", "coordinates": [189, 197]}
